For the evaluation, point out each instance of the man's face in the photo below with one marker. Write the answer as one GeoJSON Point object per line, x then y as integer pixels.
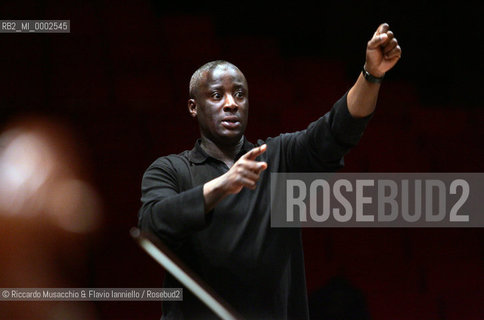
{"type": "Point", "coordinates": [221, 105]}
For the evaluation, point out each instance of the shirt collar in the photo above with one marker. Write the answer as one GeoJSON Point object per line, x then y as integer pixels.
{"type": "Point", "coordinates": [198, 155]}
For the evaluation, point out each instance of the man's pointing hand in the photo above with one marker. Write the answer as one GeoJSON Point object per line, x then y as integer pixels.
{"type": "Point", "coordinates": [244, 173]}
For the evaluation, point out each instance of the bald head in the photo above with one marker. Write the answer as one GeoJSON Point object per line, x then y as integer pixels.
{"type": "Point", "coordinates": [199, 74]}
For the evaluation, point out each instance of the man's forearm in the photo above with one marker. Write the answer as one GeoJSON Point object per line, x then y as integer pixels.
{"type": "Point", "coordinates": [362, 97]}
{"type": "Point", "coordinates": [213, 192]}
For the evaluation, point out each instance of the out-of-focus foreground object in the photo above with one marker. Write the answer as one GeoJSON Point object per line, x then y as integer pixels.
{"type": "Point", "coordinates": [47, 210]}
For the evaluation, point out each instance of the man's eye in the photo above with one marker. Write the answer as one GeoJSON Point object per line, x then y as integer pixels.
{"type": "Point", "coordinates": [216, 95]}
{"type": "Point", "coordinates": [239, 94]}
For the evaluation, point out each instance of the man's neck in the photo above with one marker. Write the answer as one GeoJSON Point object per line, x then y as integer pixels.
{"type": "Point", "coordinates": [225, 153]}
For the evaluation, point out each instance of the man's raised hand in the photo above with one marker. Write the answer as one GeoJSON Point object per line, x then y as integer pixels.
{"type": "Point", "coordinates": [382, 51]}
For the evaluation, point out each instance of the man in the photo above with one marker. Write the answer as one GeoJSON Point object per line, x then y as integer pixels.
{"type": "Point", "coordinates": [211, 204]}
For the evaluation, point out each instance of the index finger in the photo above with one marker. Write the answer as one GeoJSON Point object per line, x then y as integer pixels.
{"type": "Point", "coordinates": [255, 152]}
{"type": "Point", "coordinates": [382, 28]}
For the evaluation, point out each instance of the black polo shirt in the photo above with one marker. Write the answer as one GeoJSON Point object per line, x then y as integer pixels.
{"type": "Point", "coordinates": [257, 269]}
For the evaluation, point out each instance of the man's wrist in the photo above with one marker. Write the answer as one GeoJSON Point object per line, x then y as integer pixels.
{"type": "Point", "coordinates": [213, 187]}
{"type": "Point", "coordinates": [213, 192]}
{"type": "Point", "coordinates": [370, 77]}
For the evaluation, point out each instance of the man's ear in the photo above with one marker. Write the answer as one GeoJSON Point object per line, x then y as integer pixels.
{"type": "Point", "coordinates": [192, 107]}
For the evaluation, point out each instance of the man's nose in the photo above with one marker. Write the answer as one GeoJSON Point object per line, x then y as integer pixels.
{"type": "Point", "coordinates": [230, 104]}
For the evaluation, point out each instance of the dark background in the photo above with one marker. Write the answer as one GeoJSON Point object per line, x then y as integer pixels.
{"type": "Point", "coordinates": [119, 80]}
